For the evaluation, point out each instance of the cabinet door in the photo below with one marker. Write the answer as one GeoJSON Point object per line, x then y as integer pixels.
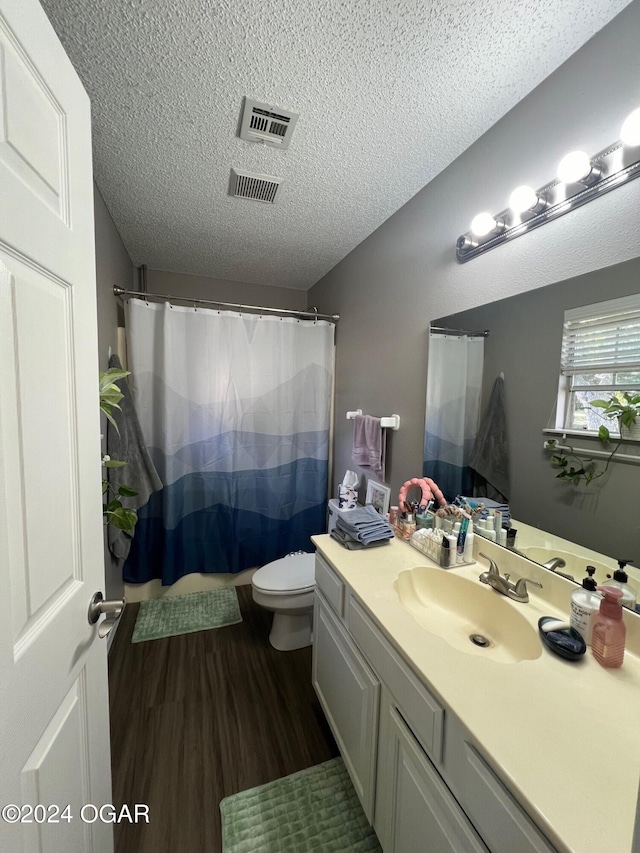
{"type": "Point", "coordinates": [502, 822]}
{"type": "Point", "coordinates": [415, 811]}
{"type": "Point", "coordinates": [348, 692]}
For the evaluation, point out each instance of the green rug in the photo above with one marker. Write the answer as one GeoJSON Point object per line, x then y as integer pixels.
{"type": "Point", "coordinates": [184, 614]}
{"type": "Point", "coordinates": [313, 811]}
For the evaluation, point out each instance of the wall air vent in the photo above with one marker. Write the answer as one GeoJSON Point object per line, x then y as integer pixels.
{"type": "Point", "coordinates": [267, 124]}
{"type": "Point", "coordinates": [257, 187]}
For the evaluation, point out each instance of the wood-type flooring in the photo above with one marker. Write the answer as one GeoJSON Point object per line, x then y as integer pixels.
{"type": "Point", "coordinates": [198, 717]}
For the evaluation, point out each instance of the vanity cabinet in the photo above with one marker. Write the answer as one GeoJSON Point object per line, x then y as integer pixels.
{"type": "Point", "coordinates": [348, 691]}
{"type": "Point", "coordinates": [415, 811]}
{"type": "Point", "coordinates": [422, 780]}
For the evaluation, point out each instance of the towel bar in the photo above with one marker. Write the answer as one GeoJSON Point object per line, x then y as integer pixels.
{"type": "Point", "coordinates": [391, 422]}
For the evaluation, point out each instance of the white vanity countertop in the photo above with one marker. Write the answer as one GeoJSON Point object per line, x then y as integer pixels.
{"type": "Point", "coordinates": [564, 736]}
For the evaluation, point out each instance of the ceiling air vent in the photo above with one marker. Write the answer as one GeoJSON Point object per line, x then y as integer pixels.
{"type": "Point", "coordinates": [256, 187]}
{"type": "Point", "coordinates": [267, 124]}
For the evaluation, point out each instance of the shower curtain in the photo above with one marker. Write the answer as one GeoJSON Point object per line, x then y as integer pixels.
{"type": "Point", "coordinates": [454, 386]}
{"type": "Point", "coordinates": [234, 409]}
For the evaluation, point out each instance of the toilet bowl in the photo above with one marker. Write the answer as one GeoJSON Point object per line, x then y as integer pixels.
{"type": "Point", "coordinates": [286, 587]}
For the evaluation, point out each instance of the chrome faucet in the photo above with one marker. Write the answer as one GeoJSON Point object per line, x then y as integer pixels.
{"type": "Point", "coordinates": [502, 584]}
{"type": "Point", "coordinates": [554, 563]}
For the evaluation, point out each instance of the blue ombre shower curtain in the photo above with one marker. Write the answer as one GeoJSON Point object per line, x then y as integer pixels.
{"type": "Point", "coordinates": [454, 387]}
{"type": "Point", "coordinates": [234, 409]}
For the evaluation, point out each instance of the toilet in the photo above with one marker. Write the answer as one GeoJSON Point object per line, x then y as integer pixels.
{"type": "Point", "coordinates": [286, 587]}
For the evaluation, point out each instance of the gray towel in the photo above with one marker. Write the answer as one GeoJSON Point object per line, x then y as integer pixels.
{"type": "Point", "coordinates": [364, 524]}
{"type": "Point", "coordinates": [139, 472]}
{"type": "Point", "coordinates": [490, 454]}
{"type": "Point", "coordinates": [369, 444]}
{"type": "Point", "coordinates": [353, 544]}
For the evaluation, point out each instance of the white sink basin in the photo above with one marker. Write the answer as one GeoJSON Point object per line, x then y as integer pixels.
{"type": "Point", "coordinates": [457, 609]}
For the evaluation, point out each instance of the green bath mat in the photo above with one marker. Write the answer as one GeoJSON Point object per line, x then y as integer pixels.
{"type": "Point", "coordinates": [313, 811]}
{"type": "Point", "coordinates": [184, 614]}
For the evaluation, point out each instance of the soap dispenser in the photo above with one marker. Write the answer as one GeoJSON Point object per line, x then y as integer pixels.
{"type": "Point", "coordinates": [585, 604]}
{"type": "Point", "coordinates": [620, 581]}
{"type": "Point", "coordinates": [609, 631]}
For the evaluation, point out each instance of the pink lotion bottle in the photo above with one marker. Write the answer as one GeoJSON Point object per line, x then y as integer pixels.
{"type": "Point", "coordinates": [609, 632]}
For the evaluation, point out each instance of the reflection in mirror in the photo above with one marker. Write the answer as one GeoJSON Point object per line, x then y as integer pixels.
{"type": "Point", "coordinates": [524, 344]}
{"type": "Point", "coordinates": [454, 390]}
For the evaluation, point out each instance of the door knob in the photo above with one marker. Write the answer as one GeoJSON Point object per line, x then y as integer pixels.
{"type": "Point", "coordinates": [112, 610]}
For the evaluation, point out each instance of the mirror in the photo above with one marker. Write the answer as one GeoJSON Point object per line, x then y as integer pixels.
{"type": "Point", "coordinates": [525, 334]}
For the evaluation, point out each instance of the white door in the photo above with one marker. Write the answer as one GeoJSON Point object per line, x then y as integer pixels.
{"type": "Point", "coordinates": [54, 746]}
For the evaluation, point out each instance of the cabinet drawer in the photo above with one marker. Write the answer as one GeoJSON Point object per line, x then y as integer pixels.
{"type": "Point", "coordinates": [421, 710]}
{"type": "Point", "coordinates": [330, 585]}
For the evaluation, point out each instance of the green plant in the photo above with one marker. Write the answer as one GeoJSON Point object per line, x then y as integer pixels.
{"type": "Point", "coordinates": [621, 406]}
{"type": "Point", "coordinates": [577, 466]}
{"type": "Point", "coordinates": [113, 511]}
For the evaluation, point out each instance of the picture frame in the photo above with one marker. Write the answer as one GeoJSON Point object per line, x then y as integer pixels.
{"type": "Point", "coordinates": [379, 496]}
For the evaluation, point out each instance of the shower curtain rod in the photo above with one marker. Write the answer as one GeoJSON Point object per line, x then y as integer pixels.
{"type": "Point", "coordinates": [135, 294]}
{"type": "Point", "coordinates": [470, 333]}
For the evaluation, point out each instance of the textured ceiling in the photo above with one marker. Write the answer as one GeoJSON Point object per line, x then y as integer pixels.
{"type": "Point", "coordinates": [389, 93]}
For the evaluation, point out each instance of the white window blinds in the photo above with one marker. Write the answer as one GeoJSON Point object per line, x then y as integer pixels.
{"type": "Point", "coordinates": [602, 338]}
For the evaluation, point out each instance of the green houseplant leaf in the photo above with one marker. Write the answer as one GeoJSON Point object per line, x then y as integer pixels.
{"type": "Point", "coordinates": [621, 406]}
{"type": "Point", "coordinates": [113, 510]}
{"type": "Point", "coordinates": [122, 518]}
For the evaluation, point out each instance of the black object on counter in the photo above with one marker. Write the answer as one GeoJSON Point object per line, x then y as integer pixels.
{"type": "Point", "coordinates": [568, 643]}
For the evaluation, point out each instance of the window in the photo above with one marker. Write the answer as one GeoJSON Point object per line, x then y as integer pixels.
{"type": "Point", "coordinates": [600, 356]}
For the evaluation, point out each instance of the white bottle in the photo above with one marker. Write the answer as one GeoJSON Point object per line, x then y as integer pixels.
{"type": "Point", "coordinates": [620, 581]}
{"type": "Point", "coordinates": [468, 544]}
{"type": "Point", "coordinates": [453, 542]}
{"type": "Point", "coordinates": [489, 533]}
{"type": "Point", "coordinates": [585, 604]}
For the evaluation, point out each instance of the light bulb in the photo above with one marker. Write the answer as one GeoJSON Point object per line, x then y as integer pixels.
{"type": "Point", "coordinates": [523, 198]}
{"type": "Point", "coordinates": [630, 132]}
{"type": "Point", "coordinates": [483, 224]}
{"type": "Point", "coordinates": [574, 167]}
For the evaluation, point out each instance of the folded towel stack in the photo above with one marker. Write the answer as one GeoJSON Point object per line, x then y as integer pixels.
{"type": "Point", "coordinates": [364, 525]}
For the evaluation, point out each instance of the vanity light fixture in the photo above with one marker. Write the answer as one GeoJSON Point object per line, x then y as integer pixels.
{"type": "Point", "coordinates": [485, 223]}
{"type": "Point", "coordinates": [580, 179]}
{"type": "Point", "coordinates": [526, 198]}
{"type": "Point", "coordinates": [576, 168]}
{"type": "Point", "coordinates": [630, 133]}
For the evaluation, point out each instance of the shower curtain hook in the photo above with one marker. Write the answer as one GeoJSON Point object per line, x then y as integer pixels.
{"type": "Point", "coordinates": [315, 319]}
{"type": "Point", "coordinates": [195, 307]}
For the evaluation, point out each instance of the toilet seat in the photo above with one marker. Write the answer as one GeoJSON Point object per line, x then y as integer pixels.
{"type": "Point", "coordinates": [289, 575]}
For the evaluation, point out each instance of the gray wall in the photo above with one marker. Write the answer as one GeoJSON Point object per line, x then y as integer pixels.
{"type": "Point", "coordinates": [201, 287]}
{"type": "Point", "coordinates": [405, 274]}
{"type": "Point", "coordinates": [525, 341]}
{"type": "Point", "coordinates": [113, 266]}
